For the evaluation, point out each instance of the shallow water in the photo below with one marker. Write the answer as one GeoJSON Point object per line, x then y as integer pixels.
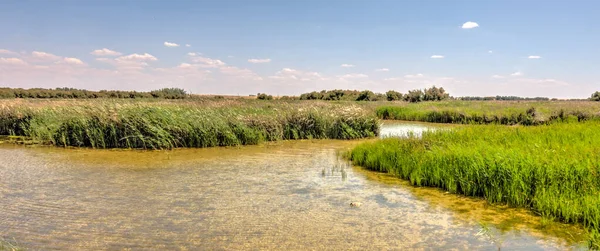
{"type": "Point", "coordinates": [284, 195]}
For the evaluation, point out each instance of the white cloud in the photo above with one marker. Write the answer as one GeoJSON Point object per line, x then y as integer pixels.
{"type": "Point", "coordinates": [230, 56]}
{"type": "Point", "coordinates": [7, 52]}
{"type": "Point", "coordinates": [105, 52]}
{"type": "Point", "coordinates": [353, 75]}
{"type": "Point", "coordinates": [239, 72]}
{"type": "Point", "coordinates": [259, 61]}
{"type": "Point", "coordinates": [516, 74]}
{"type": "Point", "coordinates": [12, 61]}
{"type": "Point", "coordinates": [490, 52]}
{"type": "Point", "coordinates": [137, 57]}
{"type": "Point", "coordinates": [437, 56]}
{"type": "Point", "coordinates": [470, 25]}
{"type": "Point", "coordinates": [44, 56]}
{"type": "Point", "coordinates": [382, 69]}
{"type": "Point", "coordinates": [534, 57]}
{"type": "Point", "coordinates": [191, 54]}
{"type": "Point", "coordinates": [346, 65]}
{"type": "Point", "coordinates": [418, 75]}
{"type": "Point", "coordinates": [168, 44]}
{"type": "Point", "coordinates": [208, 62]}
{"type": "Point", "coordinates": [296, 75]}
{"type": "Point", "coordinates": [74, 61]}
{"type": "Point", "coordinates": [497, 76]}
{"type": "Point", "coordinates": [188, 45]}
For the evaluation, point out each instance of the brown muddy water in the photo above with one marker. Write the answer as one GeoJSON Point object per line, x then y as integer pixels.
{"type": "Point", "coordinates": [292, 195]}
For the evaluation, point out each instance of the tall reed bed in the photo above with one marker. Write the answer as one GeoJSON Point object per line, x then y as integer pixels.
{"type": "Point", "coordinates": [551, 169]}
{"type": "Point", "coordinates": [165, 125]}
{"type": "Point", "coordinates": [492, 112]}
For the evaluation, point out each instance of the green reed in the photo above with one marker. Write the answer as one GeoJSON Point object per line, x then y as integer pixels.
{"type": "Point", "coordinates": [492, 112]}
{"type": "Point", "coordinates": [551, 169]}
{"type": "Point", "coordinates": [165, 125]}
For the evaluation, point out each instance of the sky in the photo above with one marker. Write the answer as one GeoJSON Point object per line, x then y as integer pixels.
{"type": "Point", "coordinates": [471, 48]}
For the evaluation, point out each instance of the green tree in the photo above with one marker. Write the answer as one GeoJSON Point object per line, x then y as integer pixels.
{"type": "Point", "coordinates": [393, 95]}
{"type": "Point", "coordinates": [595, 96]}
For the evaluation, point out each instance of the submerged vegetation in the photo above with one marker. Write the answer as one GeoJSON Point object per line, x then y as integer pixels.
{"type": "Point", "coordinates": [551, 169]}
{"type": "Point", "coordinates": [165, 125]}
{"type": "Point", "coordinates": [486, 112]}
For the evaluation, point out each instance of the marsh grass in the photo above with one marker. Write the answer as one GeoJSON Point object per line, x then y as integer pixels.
{"type": "Point", "coordinates": [551, 169]}
{"type": "Point", "coordinates": [166, 125]}
{"type": "Point", "coordinates": [492, 112]}
{"type": "Point", "coordinates": [9, 245]}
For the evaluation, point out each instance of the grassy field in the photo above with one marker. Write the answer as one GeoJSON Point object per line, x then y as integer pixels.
{"type": "Point", "coordinates": [162, 124]}
{"type": "Point", "coordinates": [551, 169]}
{"type": "Point", "coordinates": [488, 112]}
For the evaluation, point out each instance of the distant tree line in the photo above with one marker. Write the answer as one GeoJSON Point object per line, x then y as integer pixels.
{"type": "Point", "coordinates": [72, 93]}
{"type": "Point", "coordinates": [508, 98]}
{"type": "Point", "coordinates": [427, 94]}
{"type": "Point", "coordinates": [264, 96]}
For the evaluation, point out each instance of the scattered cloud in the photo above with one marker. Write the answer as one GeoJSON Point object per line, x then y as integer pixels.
{"type": "Point", "coordinates": [516, 74]}
{"type": "Point", "coordinates": [346, 65]}
{"type": "Point", "coordinates": [490, 52]}
{"type": "Point", "coordinates": [74, 61]}
{"type": "Point", "coordinates": [168, 44]}
{"type": "Point", "coordinates": [188, 45]}
{"type": "Point", "coordinates": [191, 54]}
{"type": "Point", "coordinates": [185, 65]}
{"type": "Point", "coordinates": [239, 72]}
{"type": "Point", "coordinates": [497, 76]}
{"type": "Point", "coordinates": [534, 57]}
{"type": "Point", "coordinates": [7, 52]}
{"type": "Point", "coordinates": [292, 74]}
{"type": "Point", "coordinates": [418, 75]}
{"type": "Point", "coordinates": [137, 57]}
{"type": "Point", "coordinates": [105, 52]}
{"type": "Point", "coordinates": [230, 56]}
{"type": "Point", "coordinates": [12, 61]}
{"type": "Point", "coordinates": [208, 62]}
{"type": "Point", "coordinates": [353, 75]}
{"type": "Point", "coordinates": [382, 69]}
{"type": "Point", "coordinates": [43, 56]}
{"type": "Point", "coordinates": [470, 25]}
{"type": "Point", "coordinates": [437, 56]}
{"type": "Point", "coordinates": [259, 61]}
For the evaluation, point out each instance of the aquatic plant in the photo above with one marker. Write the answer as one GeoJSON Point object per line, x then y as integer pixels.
{"type": "Point", "coordinates": [550, 169]}
{"type": "Point", "coordinates": [165, 125]}
{"type": "Point", "coordinates": [492, 112]}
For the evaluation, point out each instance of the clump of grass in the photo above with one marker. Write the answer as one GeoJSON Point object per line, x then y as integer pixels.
{"type": "Point", "coordinates": [487, 112]}
{"type": "Point", "coordinates": [165, 125]}
{"type": "Point", "coordinates": [551, 169]}
{"type": "Point", "coordinates": [9, 245]}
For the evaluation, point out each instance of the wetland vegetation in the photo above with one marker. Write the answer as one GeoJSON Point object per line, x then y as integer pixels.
{"type": "Point", "coordinates": [551, 169]}
{"type": "Point", "coordinates": [545, 161]}
{"type": "Point", "coordinates": [492, 112]}
{"type": "Point", "coordinates": [172, 124]}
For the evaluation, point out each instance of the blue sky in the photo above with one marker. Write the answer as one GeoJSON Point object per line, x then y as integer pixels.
{"type": "Point", "coordinates": [525, 48]}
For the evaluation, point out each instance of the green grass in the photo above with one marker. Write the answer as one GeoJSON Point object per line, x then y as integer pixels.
{"type": "Point", "coordinates": [171, 124]}
{"type": "Point", "coordinates": [492, 112]}
{"type": "Point", "coordinates": [550, 169]}
{"type": "Point", "coordinates": [9, 245]}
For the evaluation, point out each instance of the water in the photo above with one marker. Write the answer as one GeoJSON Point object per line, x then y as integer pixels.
{"type": "Point", "coordinates": [284, 195]}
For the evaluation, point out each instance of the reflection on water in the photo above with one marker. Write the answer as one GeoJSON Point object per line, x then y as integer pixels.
{"type": "Point", "coordinates": [283, 195]}
{"type": "Point", "coordinates": [404, 129]}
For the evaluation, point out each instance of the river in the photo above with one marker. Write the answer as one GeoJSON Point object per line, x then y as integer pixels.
{"type": "Point", "coordinates": [289, 195]}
